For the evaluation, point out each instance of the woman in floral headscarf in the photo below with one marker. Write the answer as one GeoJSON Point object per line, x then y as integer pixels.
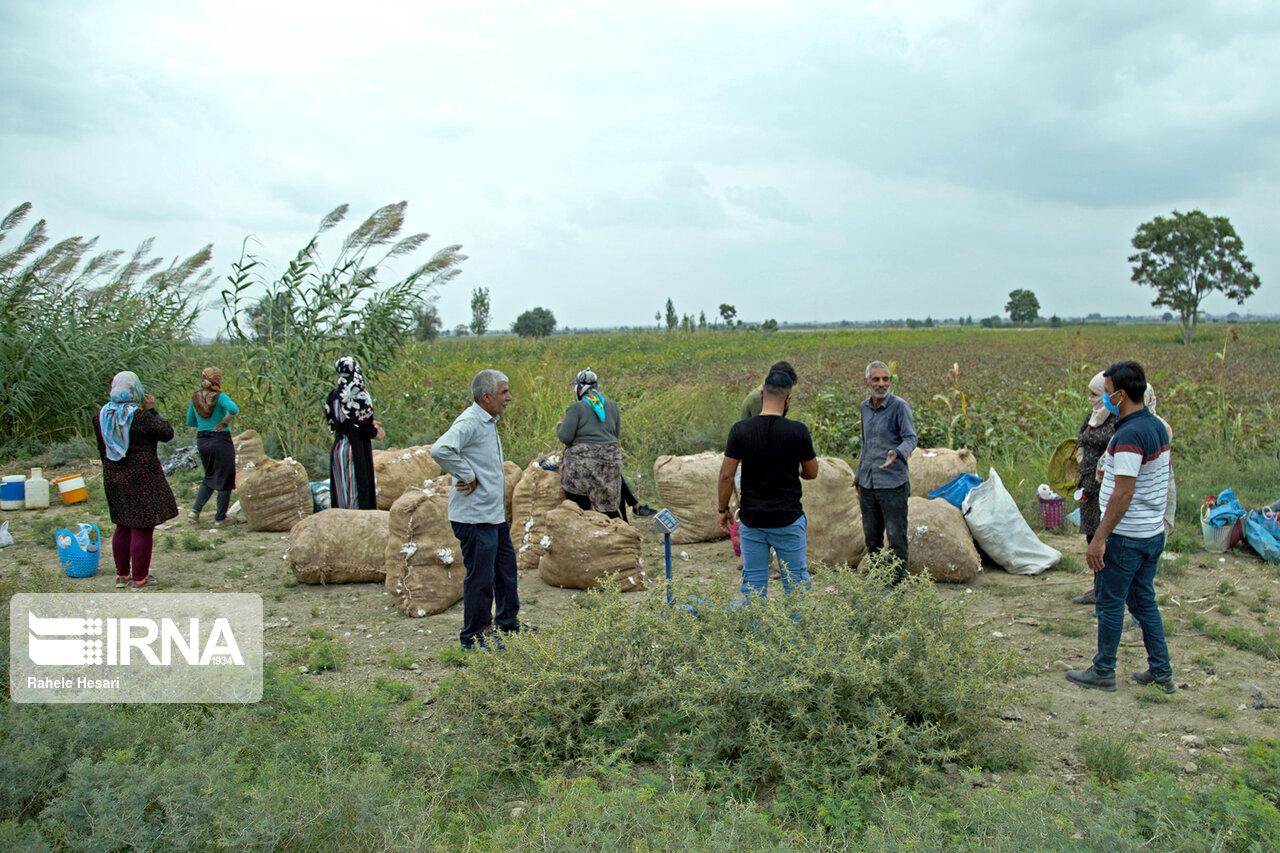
{"type": "Point", "coordinates": [138, 495]}
{"type": "Point", "coordinates": [1091, 443]}
{"type": "Point", "coordinates": [209, 412]}
{"type": "Point", "coordinates": [349, 412]}
{"type": "Point", "coordinates": [591, 474]}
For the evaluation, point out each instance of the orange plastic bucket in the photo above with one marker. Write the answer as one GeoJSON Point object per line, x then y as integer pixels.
{"type": "Point", "coordinates": [72, 489]}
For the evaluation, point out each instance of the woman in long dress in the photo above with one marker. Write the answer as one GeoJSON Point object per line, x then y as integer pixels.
{"type": "Point", "coordinates": [349, 412]}
{"type": "Point", "coordinates": [128, 428]}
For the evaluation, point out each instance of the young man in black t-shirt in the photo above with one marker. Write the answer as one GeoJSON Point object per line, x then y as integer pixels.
{"type": "Point", "coordinates": [774, 453]}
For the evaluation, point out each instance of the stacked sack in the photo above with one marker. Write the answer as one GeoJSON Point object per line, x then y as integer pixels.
{"type": "Point", "coordinates": [537, 493]}
{"type": "Point", "coordinates": [688, 487]}
{"type": "Point", "coordinates": [249, 452]}
{"type": "Point", "coordinates": [932, 468]}
{"type": "Point", "coordinates": [339, 546]}
{"type": "Point", "coordinates": [422, 559]}
{"type": "Point", "coordinates": [938, 542]}
{"type": "Point", "coordinates": [394, 471]}
{"type": "Point", "coordinates": [274, 495]}
{"type": "Point", "coordinates": [581, 548]}
{"type": "Point", "coordinates": [832, 515]}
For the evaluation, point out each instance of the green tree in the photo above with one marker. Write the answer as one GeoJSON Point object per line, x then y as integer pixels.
{"type": "Point", "coordinates": [344, 309]}
{"type": "Point", "coordinates": [702, 320]}
{"type": "Point", "coordinates": [770, 325]}
{"type": "Point", "coordinates": [728, 312]}
{"type": "Point", "coordinates": [672, 319]}
{"type": "Point", "coordinates": [1023, 307]}
{"type": "Point", "coordinates": [426, 320]}
{"type": "Point", "coordinates": [534, 323]}
{"type": "Point", "coordinates": [480, 316]}
{"type": "Point", "coordinates": [1186, 258]}
{"type": "Point", "coordinates": [72, 316]}
{"type": "Point", "coordinates": [271, 315]}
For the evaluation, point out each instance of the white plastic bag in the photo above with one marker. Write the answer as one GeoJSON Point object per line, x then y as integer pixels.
{"type": "Point", "coordinates": [6, 538]}
{"type": "Point", "coordinates": [999, 529]}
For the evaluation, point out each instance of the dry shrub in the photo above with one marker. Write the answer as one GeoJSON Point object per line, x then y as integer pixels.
{"type": "Point", "coordinates": [817, 689]}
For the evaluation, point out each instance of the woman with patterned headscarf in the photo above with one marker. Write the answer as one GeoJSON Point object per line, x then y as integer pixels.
{"type": "Point", "coordinates": [138, 495]}
{"type": "Point", "coordinates": [1171, 502]}
{"type": "Point", "coordinates": [1095, 434]}
{"type": "Point", "coordinates": [349, 413]}
{"type": "Point", "coordinates": [591, 473]}
{"type": "Point", "coordinates": [209, 412]}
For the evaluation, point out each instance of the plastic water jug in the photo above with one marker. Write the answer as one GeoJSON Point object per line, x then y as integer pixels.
{"type": "Point", "coordinates": [37, 491]}
{"type": "Point", "coordinates": [12, 488]}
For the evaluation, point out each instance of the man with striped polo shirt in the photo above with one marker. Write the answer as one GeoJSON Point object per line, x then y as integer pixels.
{"type": "Point", "coordinates": [1130, 537]}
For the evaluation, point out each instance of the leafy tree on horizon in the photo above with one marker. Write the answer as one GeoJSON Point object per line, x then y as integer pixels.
{"type": "Point", "coordinates": [1023, 306]}
{"type": "Point", "coordinates": [1186, 258]}
{"type": "Point", "coordinates": [534, 323]}
{"type": "Point", "coordinates": [672, 319]}
{"type": "Point", "coordinates": [480, 314]}
{"type": "Point", "coordinates": [426, 321]}
{"type": "Point", "coordinates": [728, 312]}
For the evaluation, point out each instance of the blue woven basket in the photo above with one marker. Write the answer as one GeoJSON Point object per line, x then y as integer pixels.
{"type": "Point", "coordinates": [78, 562]}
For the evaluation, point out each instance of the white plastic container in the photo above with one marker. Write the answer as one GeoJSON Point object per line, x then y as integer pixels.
{"type": "Point", "coordinates": [11, 492]}
{"type": "Point", "coordinates": [37, 491]}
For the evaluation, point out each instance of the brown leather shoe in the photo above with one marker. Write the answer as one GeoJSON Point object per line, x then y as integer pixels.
{"type": "Point", "coordinates": [1089, 597]}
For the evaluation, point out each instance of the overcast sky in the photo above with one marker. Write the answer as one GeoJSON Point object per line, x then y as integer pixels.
{"type": "Point", "coordinates": [799, 160]}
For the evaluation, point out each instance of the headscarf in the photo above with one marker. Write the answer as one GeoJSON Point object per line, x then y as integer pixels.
{"type": "Point", "coordinates": [351, 399]}
{"type": "Point", "coordinates": [1149, 400]}
{"type": "Point", "coordinates": [115, 417]}
{"type": "Point", "coordinates": [586, 387]}
{"type": "Point", "coordinates": [1098, 393]}
{"type": "Point", "coordinates": [206, 397]}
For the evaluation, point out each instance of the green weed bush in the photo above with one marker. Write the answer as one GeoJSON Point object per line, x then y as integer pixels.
{"type": "Point", "coordinates": [815, 691]}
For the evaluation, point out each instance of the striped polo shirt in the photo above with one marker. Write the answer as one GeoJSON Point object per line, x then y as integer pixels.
{"type": "Point", "coordinates": [1139, 449]}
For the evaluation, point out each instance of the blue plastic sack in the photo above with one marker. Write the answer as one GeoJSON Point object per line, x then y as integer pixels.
{"type": "Point", "coordinates": [1074, 516]}
{"type": "Point", "coordinates": [1263, 534]}
{"type": "Point", "coordinates": [956, 489]}
{"type": "Point", "coordinates": [1227, 510]}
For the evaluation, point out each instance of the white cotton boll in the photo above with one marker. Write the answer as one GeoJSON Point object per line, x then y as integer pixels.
{"type": "Point", "coordinates": [422, 612]}
{"type": "Point", "coordinates": [445, 555]}
{"type": "Point", "coordinates": [684, 555]}
{"type": "Point", "coordinates": [545, 542]}
{"type": "Point", "coordinates": [409, 549]}
{"type": "Point", "coordinates": [528, 524]}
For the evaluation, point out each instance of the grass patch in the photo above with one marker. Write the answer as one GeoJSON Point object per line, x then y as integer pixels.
{"type": "Point", "coordinates": [1266, 644]}
{"type": "Point", "coordinates": [1110, 760]}
{"type": "Point", "coordinates": [191, 541]}
{"type": "Point", "coordinates": [318, 656]}
{"type": "Point", "coordinates": [395, 691]}
{"type": "Point", "coordinates": [400, 660]}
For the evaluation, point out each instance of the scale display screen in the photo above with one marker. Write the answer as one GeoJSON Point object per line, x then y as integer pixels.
{"type": "Point", "coordinates": [665, 522]}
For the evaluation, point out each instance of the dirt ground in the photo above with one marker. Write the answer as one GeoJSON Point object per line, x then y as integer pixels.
{"type": "Point", "coordinates": [1225, 697]}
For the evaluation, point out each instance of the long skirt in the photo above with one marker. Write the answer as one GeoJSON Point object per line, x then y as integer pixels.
{"type": "Point", "coordinates": [351, 482]}
{"type": "Point", "coordinates": [594, 470]}
{"type": "Point", "coordinates": [218, 454]}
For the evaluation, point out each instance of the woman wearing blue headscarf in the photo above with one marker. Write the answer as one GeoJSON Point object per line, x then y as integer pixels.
{"type": "Point", "coordinates": [138, 495]}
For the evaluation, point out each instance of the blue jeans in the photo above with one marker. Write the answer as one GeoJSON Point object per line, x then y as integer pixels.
{"type": "Point", "coordinates": [491, 575]}
{"type": "Point", "coordinates": [788, 542]}
{"type": "Point", "coordinates": [1128, 577]}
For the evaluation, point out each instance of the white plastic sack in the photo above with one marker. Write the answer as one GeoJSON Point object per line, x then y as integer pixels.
{"type": "Point", "coordinates": [999, 529]}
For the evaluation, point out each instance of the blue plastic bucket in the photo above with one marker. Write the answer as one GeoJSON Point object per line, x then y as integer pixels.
{"type": "Point", "coordinates": [954, 491]}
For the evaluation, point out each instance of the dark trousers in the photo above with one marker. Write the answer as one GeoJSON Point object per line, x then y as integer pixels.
{"type": "Point", "coordinates": [202, 497]}
{"type": "Point", "coordinates": [131, 547]}
{"type": "Point", "coordinates": [490, 559]}
{"type": "Point", "coordinates": [884, 513]}
{"type": "Point", "coordinates": [584, 503]}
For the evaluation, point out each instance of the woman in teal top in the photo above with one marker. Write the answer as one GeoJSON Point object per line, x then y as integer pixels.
{"type": "Point", "coordinates": [210, 412]}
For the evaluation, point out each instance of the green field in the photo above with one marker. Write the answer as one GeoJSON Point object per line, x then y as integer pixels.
{"type": "Point", "coordinates": [567, 744]}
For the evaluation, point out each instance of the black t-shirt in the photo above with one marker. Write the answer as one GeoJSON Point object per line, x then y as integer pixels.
{"type": "Point", "coordinates": [770, 449]}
